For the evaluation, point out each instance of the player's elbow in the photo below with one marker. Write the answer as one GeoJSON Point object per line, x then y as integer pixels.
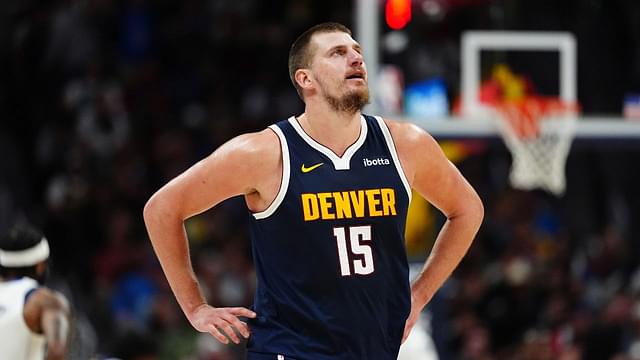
{"type": "Point", "coordinates": [156, 208]}
{"type": "Point", "coordinates": [476, 210]}
{"type": "Point", "coordinates": [468, 211]}
{"type": "Point", "coordinates": [150, 209]}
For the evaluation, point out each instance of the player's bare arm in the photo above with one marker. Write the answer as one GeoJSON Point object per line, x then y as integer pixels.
{"type": "Point", "coordinates": [248, 165]}
{"type": "Point", "coordinates": [432, 175]}
{"type": "Point", "coordinates": [47, 312]}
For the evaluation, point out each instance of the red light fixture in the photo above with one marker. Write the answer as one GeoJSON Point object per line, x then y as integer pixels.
{"type": "Point", "coordinates": [397, 13]}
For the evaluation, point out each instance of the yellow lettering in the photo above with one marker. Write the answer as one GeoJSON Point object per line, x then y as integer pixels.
{"type": "Point", "coordinates": [357, 199]}
{"type": "Point", "coordinates": [388, 201]}
{"type": "Point", "coordinates": [373, 201]}
{"type": "Point", "coordinates": [343, 206]}
{"type": "Point", "coordinates": [310, 207]}
{"type": "Point", "coordinates": [325, 206]}
{"type": "Point", "coordinates": [349, 204]}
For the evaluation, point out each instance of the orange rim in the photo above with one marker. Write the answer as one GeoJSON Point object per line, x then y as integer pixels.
{"type": "Point", "coordinates": [524, 116]}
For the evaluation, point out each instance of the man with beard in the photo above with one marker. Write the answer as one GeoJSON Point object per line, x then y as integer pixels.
{"type": "Point", "coordinates": [328, 191]}
{"type": "Point", "coordinates": [34, 320]}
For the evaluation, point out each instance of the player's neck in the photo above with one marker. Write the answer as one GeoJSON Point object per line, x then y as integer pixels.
{"type": "Point", "coordinates": [335, 130]}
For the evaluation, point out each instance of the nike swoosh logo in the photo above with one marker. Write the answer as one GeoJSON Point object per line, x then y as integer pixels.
{"type": "Point", "coordinates": [310, 168]}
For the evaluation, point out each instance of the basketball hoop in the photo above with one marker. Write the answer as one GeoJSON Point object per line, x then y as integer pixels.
{"type": "Point", "coordinates": [538, 132]}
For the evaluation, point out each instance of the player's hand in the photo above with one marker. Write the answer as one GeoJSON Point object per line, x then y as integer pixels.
{"type": "Point", "coordinates": [222, 323]}
{"type": "Point", "coordinates": [411, 321]}
{"type": "Point", "coordinates": [416, 309]}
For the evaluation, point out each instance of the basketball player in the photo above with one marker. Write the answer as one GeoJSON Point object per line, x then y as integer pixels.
{"type": "Point", "coordinates": [32, 317]}
{"type": "Point", "coordinates": [328, 191]}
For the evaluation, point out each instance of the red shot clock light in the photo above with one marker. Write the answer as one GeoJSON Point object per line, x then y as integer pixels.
{"type": "Point", "coordinates": [397, 13]}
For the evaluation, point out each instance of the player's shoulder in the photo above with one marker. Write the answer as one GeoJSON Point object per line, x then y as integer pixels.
{"type": "Point", "coordinates": [41, 300]}
{"type": "Point", "coordinates": [48, 298]}
{"type": "Point", "coordinates": [264, 140]}
{"type": "Point", "coordinates": [258, 145]}
{"type": "Point", "coordinates": [406, 133]}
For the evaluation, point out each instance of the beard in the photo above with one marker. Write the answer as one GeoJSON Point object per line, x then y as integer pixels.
{"type": "Point", "coordinates": [350, 102]}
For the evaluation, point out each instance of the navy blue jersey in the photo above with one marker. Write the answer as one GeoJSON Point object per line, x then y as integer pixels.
{"type": "Point", "coordinates": [329, 251]}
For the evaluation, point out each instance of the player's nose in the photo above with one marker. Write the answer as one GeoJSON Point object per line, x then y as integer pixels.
{"type": "Point", "coordinates": [355, 58]}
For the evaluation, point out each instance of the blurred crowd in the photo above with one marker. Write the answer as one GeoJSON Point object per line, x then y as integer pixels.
{"type": "Point", "coordinates": [103, 101]}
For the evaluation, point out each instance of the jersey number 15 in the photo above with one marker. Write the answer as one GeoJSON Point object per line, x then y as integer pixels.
{"type": "Point", "coordinates": [357, 235]}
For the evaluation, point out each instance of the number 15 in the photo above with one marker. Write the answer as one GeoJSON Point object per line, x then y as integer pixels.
{"type": "Point", "coordinates": [356, 234]}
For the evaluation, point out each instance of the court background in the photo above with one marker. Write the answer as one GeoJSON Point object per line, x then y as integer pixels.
{"type": "Point", "coordinates": [103, 101]}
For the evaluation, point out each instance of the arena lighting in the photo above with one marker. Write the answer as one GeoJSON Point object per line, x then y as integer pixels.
{"type": "Point", "coordinates": [397, 13]}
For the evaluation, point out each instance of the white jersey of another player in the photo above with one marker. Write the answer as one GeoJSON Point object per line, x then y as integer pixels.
{"type": "Point", "coordinates": [17, 341]}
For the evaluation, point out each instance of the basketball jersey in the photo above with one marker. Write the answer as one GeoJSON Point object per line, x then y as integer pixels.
{"type": "Point", "coordinates": [17, 341]}
{"type": "Point", "coordinates": [329, 251]}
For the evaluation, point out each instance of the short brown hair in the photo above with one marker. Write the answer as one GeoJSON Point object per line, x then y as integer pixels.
{"type": "Point", "coordinates": [299, 56]}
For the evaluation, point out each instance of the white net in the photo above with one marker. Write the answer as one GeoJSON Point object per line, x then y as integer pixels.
{"type": "Point", "coordinates": [538, 159]}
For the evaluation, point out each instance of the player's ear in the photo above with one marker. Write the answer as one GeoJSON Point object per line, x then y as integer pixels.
{"type": "Point", "coordinates": [303, 78]}
{"type": "Point", "coordinates": [41, 268]}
